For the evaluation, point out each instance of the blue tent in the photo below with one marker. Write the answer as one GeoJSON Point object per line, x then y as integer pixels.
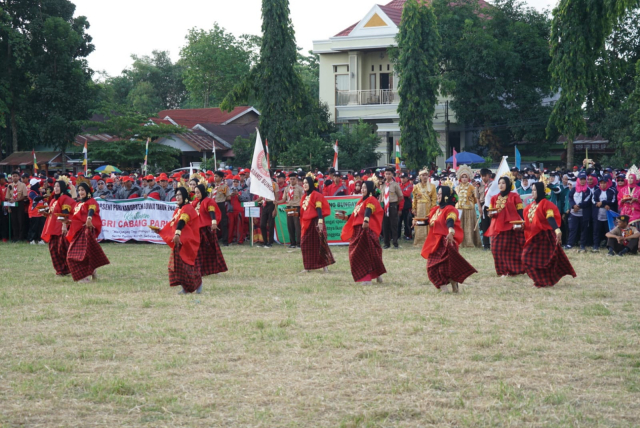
{"type": "Point", "coordinates": [466, 158]}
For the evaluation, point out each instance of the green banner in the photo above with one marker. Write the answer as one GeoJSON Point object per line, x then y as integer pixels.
{"type": "Point", "coordinates": [334, 226]}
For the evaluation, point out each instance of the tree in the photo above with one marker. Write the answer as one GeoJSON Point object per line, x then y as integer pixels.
{"type": "Point", "coordinates": [274, 82]}
{"type": "Point", "coordinates": [151, 84]}
{"type": "Point", "coordinates": [495, 63]}
{"type": "Point", "coordinates": [357, 144]}
{"type": "Point", "coordinates": [214, 61]}
{"type": "Point", "coordinates": [417, 64]}
{"type": "Point", "coordinates": [578, 34]}
{"type": "Point", "coordinates": [243, 150]}
{"type": "Point", "coordinates": [308, 67]}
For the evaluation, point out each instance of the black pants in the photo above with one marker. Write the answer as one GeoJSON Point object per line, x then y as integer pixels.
{"type": "Point", "coordinates": [36, 224]}
{"type": "Point", "coordinates": [4, 223]}
{"type": "Point", "coordinates": [224, 224]}
{"type": "Point", "coordinates": [485, 222]}
{"type": "Point", "coordinates": [267, 222]}
{"type": "Point", "coordinates": [18, 222]}
{"type": "Point", "coordinates": [632, 245]}
{"type": "Point", "coordinates": [293, 225]}
{"type": "Point", "coordinates": [599, 230]}
{"type": "Point", "coordinates": [564, 228]}
{"type": "Point", "coordinates": [579, 224]}
{"type": "Point", "coordinates": [406, 218]}
{"type": "Point", "coordinates": [390, 225]}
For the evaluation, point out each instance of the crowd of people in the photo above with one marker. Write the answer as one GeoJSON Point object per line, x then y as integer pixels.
{"type": "Point", "coordinates": [527, 224]}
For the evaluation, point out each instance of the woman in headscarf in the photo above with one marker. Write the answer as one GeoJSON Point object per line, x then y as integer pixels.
{"type": "Point", "coordinates": [55, 231]}
{"type": "Point", "coordinates": [313, 232]}
{"type": "Point", "coordinates": [445, 265]}
{"type": "Point", "coordinates": [543, 256]}
{"type": "Point", "coordinates": [629, 200]}
{"type": "Point", "coordinates": [362, 230]}
{"type": "Point", "coordinates": [85, 254]}
{"type": "Point", "coordinates": [210, 258]}
{"type": "Point", "coordinates": [507, 239]}
{"type": "Point", "coordinates": [467, 205]}
{"type": "Point", "coordinates": [182, 235]}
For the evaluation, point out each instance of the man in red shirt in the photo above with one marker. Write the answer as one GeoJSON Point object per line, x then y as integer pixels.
{"type": "Point", "coordinates": [4, 217]}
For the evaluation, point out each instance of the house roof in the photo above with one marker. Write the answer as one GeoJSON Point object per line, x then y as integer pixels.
{"type": "Point", "coordinates": [393, 10]}
{"type": "Point", "coordinates": [191, 117]}
{"type": "Point", "coordinates": [226, 134]}
{"type": "Point", "coordinates": [202, 142]}
{"type": "Point", "coordinates": [92, 138]}
{"type": "Point", "coordinates": [26, 158]}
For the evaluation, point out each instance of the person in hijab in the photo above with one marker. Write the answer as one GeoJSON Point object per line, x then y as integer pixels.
{"type": "Point", "coordinates": [36, 219]}
{"type": "Point", "coordinates": [55, 231]}
{"type": "Point", "coordinates": [445, 265]}
{"type": "Point", "coordinates": [85, 255]}
{"type": "Point", "coordinates": [362, 230]}
{"type": "Point", "coordinates": [507, 235]}
{"type": "Point", "coordinates": [182, 235]}
{"type": "Point", "coordinates": [210, 259]}
{"type": "Point", "coordinates": [543, 257]}
{"type": "Point", "coordinates": [313, 232]}
{"type": "Point", "coordinates": [580, 200]}
{"type": "Point", "coordinates": [629, 200]}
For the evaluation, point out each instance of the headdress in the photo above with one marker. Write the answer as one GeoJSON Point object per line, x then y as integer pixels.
{"type": "Point", "coordinates": [464, 170]}
{"type": "Point", "coordinates": [198, 178]}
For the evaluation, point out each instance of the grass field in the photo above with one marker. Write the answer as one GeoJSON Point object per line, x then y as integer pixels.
{"type": "Point", "coordinates": [267, 346]}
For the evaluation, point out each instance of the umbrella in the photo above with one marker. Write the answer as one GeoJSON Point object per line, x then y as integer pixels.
{"type": "Point", "coordinates": [466, 157]}
{"type": "Point", "coordinates": [108, 169]}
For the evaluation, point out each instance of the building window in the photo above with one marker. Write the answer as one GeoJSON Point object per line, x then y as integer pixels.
{"type": "Point", "coordinates": [387, 67]}
{"type": "Point", "coordinates": [373, 68]}
{"type": "Point", "coordinates": [372, 82]}
{"type": "Point", "coordinates": [380, 67]}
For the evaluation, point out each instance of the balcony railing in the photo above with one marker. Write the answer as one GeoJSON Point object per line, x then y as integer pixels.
{"type": "Point", "coordinates": [367, 97]}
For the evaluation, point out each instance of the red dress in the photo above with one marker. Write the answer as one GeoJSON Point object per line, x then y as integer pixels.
{"type": "Point", "coordinates": [52, 234]}
{"type": "Point", "coordinates": [210, 259]}
{"type": "Point", "coordinates": [315, 250]}
{"type": "Point", "coordinates": [506, 243]}
{"type": "Point", "coordinates": [85, 254]}
{"type": "Point", "coordinates": [183, 269]}
{"type": "Point", "coordinates": [444, 262]}
{"type": "Point", "coordinates": [544, 259]}
{"type": "Point", "coordinates": [365, 252]}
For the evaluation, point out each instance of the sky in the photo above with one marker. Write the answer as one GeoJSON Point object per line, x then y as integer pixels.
{"type": "Point", "coordinates": [121, 28]}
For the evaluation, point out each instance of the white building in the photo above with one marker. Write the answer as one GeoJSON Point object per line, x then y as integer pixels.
{"type": "Point", "coordinates": [358, 81]}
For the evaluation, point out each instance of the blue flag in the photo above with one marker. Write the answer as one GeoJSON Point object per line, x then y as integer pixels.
{"type": "Point", "coordinates": [517, 158]}
{"type": "Point", "coordinates": [611, 218]}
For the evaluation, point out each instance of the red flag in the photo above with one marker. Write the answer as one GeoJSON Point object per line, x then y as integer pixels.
{"type": "Point", "coordinates": [455, 161]}
{"type": "Point", "coordinates": [335, 156]}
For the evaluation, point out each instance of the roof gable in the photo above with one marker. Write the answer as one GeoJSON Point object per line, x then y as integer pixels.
{"type": "Point", "coordinates": [191, 117]}
{"type": "Point", "coordinates": [376, 23]}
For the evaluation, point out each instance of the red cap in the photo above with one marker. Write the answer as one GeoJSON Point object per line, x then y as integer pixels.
{"type": "Point", "coordinates": [96, 177]}
{"type": "Point", "coordinates": [149, 177]}
{"type": "Point", "coordinates": [109, 180]}
{"type": "Point", "coordinates": [163, 177]}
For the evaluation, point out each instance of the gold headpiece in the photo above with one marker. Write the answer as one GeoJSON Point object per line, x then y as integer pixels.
{"type": "Point", "coordinates": [198, 178]}
{"type": "Point", "coordinates": [464, 170]}
{"type": "Point", "coordinates": [510, 176]}
{"type": "Point", "coordinates": [424, 170]}
{"type": "Point", "coordinates": [633, 171]}
{"type": "Point", "coordinates": [65, 179]}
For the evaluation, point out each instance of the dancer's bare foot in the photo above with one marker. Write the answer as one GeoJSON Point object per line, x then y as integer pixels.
{"type": "Point", "coordinates": [84, 280]}
{"type": "Point", "coordinates": [379, 280]}
{"type": "Point", "coordinates": [454, 286]}
{"type": "Point", "coordinates": [325, 269]}
{"type": "Point", "coordinates": [444, 288]}
{"type": "Point", "coordinates": [94, 275]}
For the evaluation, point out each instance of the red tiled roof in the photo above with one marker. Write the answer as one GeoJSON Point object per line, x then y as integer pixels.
{"type": "Point", "coordinates": [394, 11]}
{"type": "Point", "coordinates": [92, 138]}
{"type": "Point", "coordinates": [26, 158]}
{"type": "Point", "coordinates": [191, 117]}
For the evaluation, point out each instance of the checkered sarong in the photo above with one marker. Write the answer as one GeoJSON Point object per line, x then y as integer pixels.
{"type": "Point", "coordinates": [447, 264]}
{"type": "Point", "coordinates": [506, 248]}
{"type": "Point", "coordinates": [85, 254]}
{"type": "Point", "coordinates": [310, 244]}
{"type": "Point", "coordinates": [545, 261]}
{"type": "Point", "coordinates": [180, 273]}
{"type": "Point", "coordinates": [365, 254]}
{"type": "Point", "coordinates": [58, 248]}
{"type": "Point", "coordinates": [210, 258]}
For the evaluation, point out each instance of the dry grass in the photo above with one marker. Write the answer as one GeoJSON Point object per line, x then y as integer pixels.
{"type": "Point", "coordinates": [266, 346]}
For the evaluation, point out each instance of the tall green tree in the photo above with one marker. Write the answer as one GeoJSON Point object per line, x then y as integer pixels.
{"type": "Point", "coordinates": [495, 64]}
{"type": "Point", "coordinates": [417, 64]}
{"type": "Point", "coordinates": [278, 88]}
{"type": "Point", "coordinates": [214, 61]}
{"type": "Point", "coordinates": [578, 34]}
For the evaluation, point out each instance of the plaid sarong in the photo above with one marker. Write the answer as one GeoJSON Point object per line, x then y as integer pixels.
{"type": "Point", "coordinates": [58, 248]}
{"type": "Point", "coordinates": [447, 264]}
{"type": "Point", "coordinates": [506, 248]}
{"type": "Point", "coordinates": [210, 258]}
{"type": "Point", "coordinates": [183, 274]}
{"type": "Point", "coordinates": [365, 254]}
{"type": "Point", "coordinates": [85, 254]}
{"type": "Point", "coordinates": [310, 244]}
{"type": "Point", "coordinates": [545, 260]}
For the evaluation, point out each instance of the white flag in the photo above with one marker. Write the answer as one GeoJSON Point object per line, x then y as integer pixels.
{"type": "Point", "coordinates": [261, 184]}
{"type": "Point", "coordinates": [494, 189]}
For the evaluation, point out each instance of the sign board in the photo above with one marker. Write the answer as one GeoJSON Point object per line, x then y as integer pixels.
{"type": "Point", "coordinates": [252, 212]}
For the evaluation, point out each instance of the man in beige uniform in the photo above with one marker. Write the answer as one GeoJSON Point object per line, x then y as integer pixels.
{"type": "Point", "coordinates": [291, 198]}
{"type": "Point", "coordinates": [221, 195]}
{"type": "Point", "coordinates": [390, 196]}
{"type": "Point", "coordinates": [425, 197]}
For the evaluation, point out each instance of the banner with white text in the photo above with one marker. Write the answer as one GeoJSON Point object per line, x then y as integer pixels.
{"type": "Point", "coordinates": [129, 219]}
